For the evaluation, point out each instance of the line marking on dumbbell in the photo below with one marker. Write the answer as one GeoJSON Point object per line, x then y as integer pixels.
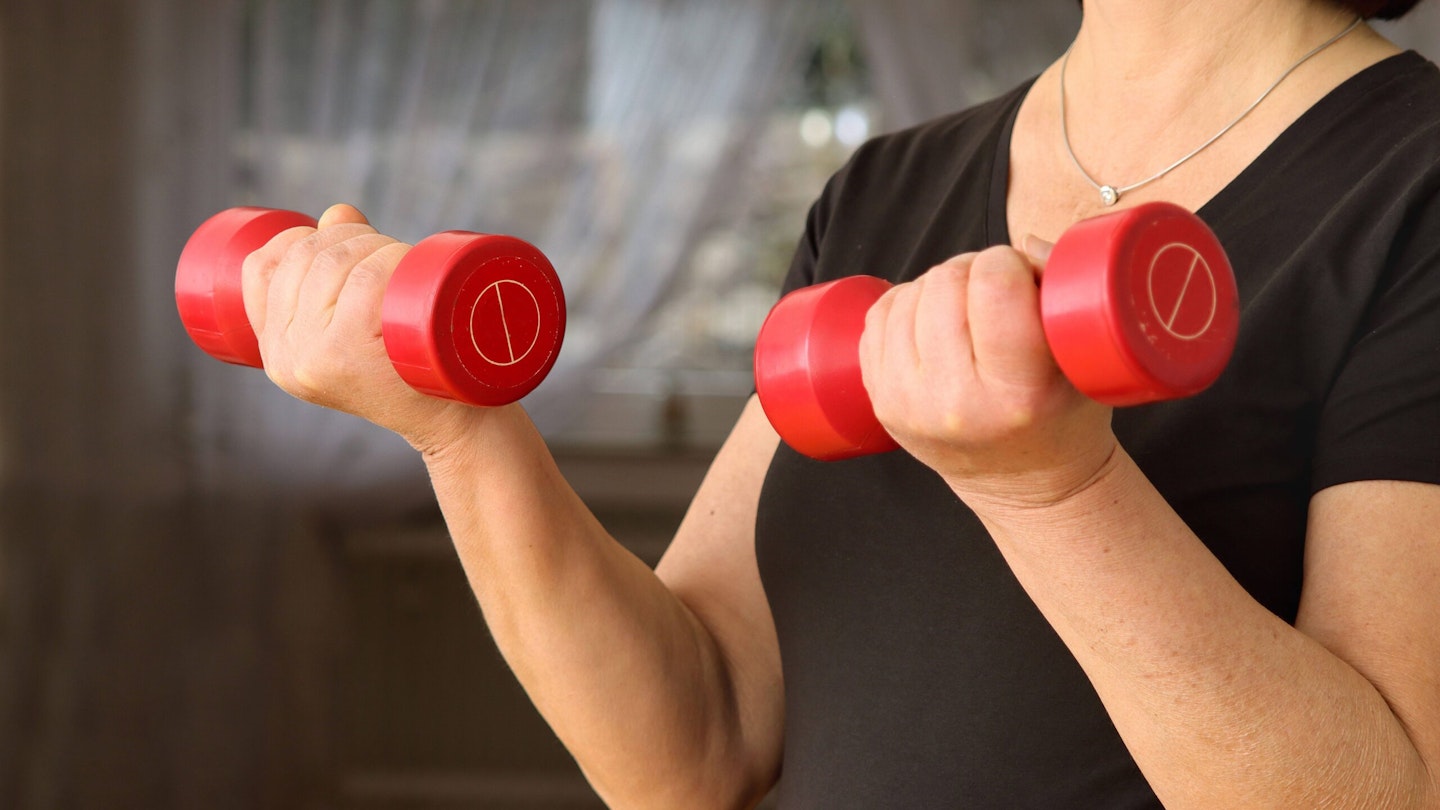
{"type": "Point", "coordinates": [1197, 262]}
{"type": "Point", "coordinates": [504, 324]}
{"type": "Point", "coordinates": [1184, 288]}
{"type": "Point", "coordinates": [498, 288]}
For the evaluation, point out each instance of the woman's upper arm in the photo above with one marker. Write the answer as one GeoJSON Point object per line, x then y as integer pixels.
{"type": "Point", "coordinates": [711, 567]}
{"type": "Point", "coordinates": [1372, 594]}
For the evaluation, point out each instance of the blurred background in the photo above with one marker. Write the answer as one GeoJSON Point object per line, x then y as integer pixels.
{"type": "Point", "coordinates": [213, 596]}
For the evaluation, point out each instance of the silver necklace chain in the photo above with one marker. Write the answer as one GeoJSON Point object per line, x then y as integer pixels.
{"type": "Point", "coordinates": [1109, 195]}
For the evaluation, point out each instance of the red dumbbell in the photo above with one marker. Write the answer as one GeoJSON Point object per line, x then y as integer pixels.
{"type": "Point", "coordinates": [476, 318]}
{"type": "Point", "coordinates": [1138, 306]}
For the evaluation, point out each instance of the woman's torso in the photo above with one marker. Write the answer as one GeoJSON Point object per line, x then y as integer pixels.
{"type": "Point", "coordinates": [917, 672]}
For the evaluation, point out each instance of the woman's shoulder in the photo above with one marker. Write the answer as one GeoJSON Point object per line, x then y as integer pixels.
{"type": "Point", "coordinates": [1392, 102]}
{"type": "Point", "coordinates": [1407, 75]}
{"type": "Point", "coordinates": [1365, 152]}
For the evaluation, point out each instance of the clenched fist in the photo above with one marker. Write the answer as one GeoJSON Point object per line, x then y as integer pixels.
{"type": "Point", "coordinates": [314, 296]}
{"type": "Point", "coordinates": [960, 374]}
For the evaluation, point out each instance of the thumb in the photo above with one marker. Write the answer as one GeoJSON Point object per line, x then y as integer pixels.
{"type": "Point", "coordinates": [1004, 313]}
{"type": "Point", "coordinates": [342, 214]}
{"type": "Point", "coordinates": [1038, 250]}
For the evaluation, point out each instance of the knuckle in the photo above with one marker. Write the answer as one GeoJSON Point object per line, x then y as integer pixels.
{"type": "Point", "coordinates": [299, 256]}
{"type": "Point", "coordinates": [337, 258]}
{"type": "Point", "coordinates": [951, 276]}
{"type": "Point", "coordinates": [317, 372]}
{"type": "Point", "coordinates": [281, 376]}
{"type": "Point", "coordinates": [362, 255]}
{"type": "Point", "coordinates": [263, 260]}
{"type": "Point", "coordinates": [305, 368]}
{"type": "Point", "coordinates": [909, 297]}
{"type": "Point", "coordinates": [999, 270]}
{"type": "Point", "coordinates": [881, 402]}
{"type": "Point", "coordinates": [998, 259]}
{"type": "Point", "coordinates": [310, 375]}
{"type": "Point", "coordinates": [257, 266]}
{"type": "Point", "coordinates": [879, 312]}
{"type": "Point", "coordinates": [1021, 415]}
{"type": "Point", "coordinates": [960, 262]}
{"type": "Point", "coordinates": [305, 248]}
{"type": "Point", "coordinates": [375, 267]}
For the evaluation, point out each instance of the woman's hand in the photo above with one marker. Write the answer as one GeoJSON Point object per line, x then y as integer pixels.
{"type": "Point", "coordinates": [314, 299]}
{"type": "Point", "coordinates": [957, 366]}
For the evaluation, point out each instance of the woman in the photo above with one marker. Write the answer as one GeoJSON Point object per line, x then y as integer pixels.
{"type": "Point", "coordinates": [1221, 602]}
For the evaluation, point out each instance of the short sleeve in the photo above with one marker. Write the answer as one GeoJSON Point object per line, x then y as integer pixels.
{"type": "Point", "coordinates": [1381, 420]}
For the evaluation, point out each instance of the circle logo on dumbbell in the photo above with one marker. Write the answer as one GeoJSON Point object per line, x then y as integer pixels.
{"type": "Point", "coordinates": [1184, 294]}
{"type": "Point", "coordinates": [506, 319]}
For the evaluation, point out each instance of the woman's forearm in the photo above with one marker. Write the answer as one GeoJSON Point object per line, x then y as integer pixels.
{"type": "Point", "coordinates": [1221, 703]}
{"type": "Point", "coordinates": [623, 671]}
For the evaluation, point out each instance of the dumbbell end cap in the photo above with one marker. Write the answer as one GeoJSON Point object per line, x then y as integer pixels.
{"type": "Point", "coordinates": [1140, 305]}
{"type": "Point", "coordinates": [476, 318]}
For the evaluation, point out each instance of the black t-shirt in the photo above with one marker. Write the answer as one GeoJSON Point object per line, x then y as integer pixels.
{"type": "Point", "coordinates": [917, 672]}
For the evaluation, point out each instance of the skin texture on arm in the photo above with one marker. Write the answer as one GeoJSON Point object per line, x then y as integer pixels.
{"type": "Point", "coordinates": [667, 696]}
{"type": "Point", "coordinates": [711, 567]}
{"type": "Point", "coordinates": [1221, 703]}
{"type": "Point", "coordinates": [666, 689]}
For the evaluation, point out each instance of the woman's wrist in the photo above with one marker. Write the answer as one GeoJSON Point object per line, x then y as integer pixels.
{"type": "Point", "coordinates": [1036, 493]}
{"type": "Point", "coordinates": [452, 439]}
{"type": "Point", "coordinates": [1085, 519]}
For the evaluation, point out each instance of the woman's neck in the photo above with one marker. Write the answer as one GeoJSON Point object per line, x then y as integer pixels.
{"type": "Point", "coordinates": [1160, 58]}
{"type": "Point", "coordinates": [1149, 81]}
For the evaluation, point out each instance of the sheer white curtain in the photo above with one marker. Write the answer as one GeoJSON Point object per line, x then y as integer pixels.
{"type": "Point", "coordinates": [611, 133]}
{"type": "Point", "coordinates": [929, 57]}
{"type": "Point", "coordinates": [602, 131]}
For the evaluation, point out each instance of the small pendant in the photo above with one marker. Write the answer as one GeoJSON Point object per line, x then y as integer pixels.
{"type": "Point", "coordinates": [1109, 195]}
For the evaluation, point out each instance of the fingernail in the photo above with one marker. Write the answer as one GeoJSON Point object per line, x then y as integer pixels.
{"type": "Point", "coordinates": [1037, 248]}
{"type": "Point", "coordinates": [341, 213]}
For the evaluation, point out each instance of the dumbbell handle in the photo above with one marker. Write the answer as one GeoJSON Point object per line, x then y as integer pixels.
{"type": "Point", "coordinates": [1138, 306]}
{"type": "Point", "coordinates": [476, 318]}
